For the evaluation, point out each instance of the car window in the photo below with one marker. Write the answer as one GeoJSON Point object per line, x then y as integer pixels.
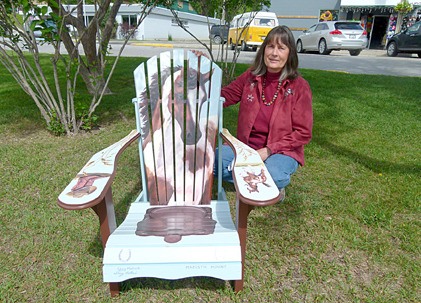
{"type": "Point", "coordinates": [50, 23]}
{"type": "Point", "coordinates": [217, 29]}
{"type": "Point", "coordinates": [348, 25]}
{"type": "Point", "coordinates": [312, 28]}
{"type": "Point", "coordinates": [244, 21]}
{"type": "Point", "coordinates": [414, 29]}
{"type": "Point", "coordinates": [264, 22]}
{"type": "Point", "coordinates": [321, 26]}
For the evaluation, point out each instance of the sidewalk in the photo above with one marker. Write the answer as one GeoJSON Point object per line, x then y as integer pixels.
{"type": "Point", "coordinates": [163, 43]}
{"type": "Point", "coordinates": [365, 53]}
{"type": "Point", "coordinates": [193, 44]}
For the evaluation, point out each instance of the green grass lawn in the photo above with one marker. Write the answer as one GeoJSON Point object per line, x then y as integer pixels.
{"type": "Point", "coordinates": [348, 231]}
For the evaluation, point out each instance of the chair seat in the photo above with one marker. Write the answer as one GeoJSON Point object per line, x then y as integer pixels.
{"type": "Point", "coordinates": [217, 255]}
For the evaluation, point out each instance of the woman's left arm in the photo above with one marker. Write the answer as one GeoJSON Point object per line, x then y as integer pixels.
{"type": "Point", "coordinates": [301, 121]}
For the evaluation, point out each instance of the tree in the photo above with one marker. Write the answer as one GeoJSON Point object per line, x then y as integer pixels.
{"type": "Point", "coordinates": [61, 24]}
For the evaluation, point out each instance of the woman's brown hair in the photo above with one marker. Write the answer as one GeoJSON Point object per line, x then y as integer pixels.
{"type": "Point", "coordinates": [278, 34]}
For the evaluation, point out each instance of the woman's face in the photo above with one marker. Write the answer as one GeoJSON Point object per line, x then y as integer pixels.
{"type": "Point", "coordinates": [276, 55]}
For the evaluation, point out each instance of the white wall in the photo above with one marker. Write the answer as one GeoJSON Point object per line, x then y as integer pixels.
{"type": "Point", "coordinates": [158, 24]}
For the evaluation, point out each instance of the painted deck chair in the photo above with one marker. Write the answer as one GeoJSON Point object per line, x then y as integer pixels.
{"type": "Point", "coordinates": [174, 229]}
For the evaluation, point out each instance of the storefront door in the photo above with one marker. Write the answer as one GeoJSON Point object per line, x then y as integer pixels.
{"type": "Point", "coordinates": [378, 32]}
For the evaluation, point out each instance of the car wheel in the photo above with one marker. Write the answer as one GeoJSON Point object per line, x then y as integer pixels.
{"type": "Point", "coordinates": [217, 40]}
{"type": "Point", "coordinates": [254, 48]}
{"type": "Point", "coordinates": [392, 49]}
{"type": "Point", "coordinates": [323, 48]}
{"type": "Point", "coordinates": [243, 46]}
{"type": "Point", "coordinates": [300, 47]}
{"type": "Point", "coordinates": [355, 52]}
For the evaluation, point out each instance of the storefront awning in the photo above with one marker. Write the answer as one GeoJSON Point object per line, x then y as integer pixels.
{"type": "Point", "coordinates": [362, 3]}
{"type": "Point", "coordinates": [372, 3]}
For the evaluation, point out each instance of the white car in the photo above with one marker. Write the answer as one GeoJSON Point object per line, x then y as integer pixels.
{"type": "Point", "coordinates": [327, 36]}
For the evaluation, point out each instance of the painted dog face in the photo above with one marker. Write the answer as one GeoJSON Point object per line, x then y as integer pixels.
{"type": "Point", "coordinates": [175, 139]}
{"type": "Point", "coordinates": [181, 104]}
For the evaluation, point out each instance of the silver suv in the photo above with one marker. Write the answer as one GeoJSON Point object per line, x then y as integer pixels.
{"type": "Point", "coordinates": [327, 36]}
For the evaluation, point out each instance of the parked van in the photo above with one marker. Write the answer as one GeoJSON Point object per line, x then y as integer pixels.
{"type": "Point", "coordinates": [254, 35]}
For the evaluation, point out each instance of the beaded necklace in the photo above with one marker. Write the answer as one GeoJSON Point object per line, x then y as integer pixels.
{"type": "Point", "coordinates": [274, 96]}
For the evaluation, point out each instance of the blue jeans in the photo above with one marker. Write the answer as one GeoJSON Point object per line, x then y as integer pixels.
{"type": "Point", "coordinates": [280, 167]}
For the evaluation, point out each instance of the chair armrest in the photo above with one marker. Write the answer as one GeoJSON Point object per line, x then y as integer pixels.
{"type": "Point", "coordinates": [91, 184]}
{"type": "Point", "coordinates": [252, 180]}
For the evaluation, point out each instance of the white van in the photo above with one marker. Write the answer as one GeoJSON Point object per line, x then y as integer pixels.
{"type": "Point", "coordinates": [254, 35]}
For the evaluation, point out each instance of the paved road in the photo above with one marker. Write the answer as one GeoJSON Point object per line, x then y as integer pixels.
{"type": "Point", "coordinates": [368, 62]}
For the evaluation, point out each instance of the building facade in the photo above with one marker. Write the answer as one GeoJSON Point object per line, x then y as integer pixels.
{"type": "Point", "coordinates": [378, 17]}
{"type": "Point", "coordinates": [299, 15]}
{"type": "Point", "coordinates": [160, 24]}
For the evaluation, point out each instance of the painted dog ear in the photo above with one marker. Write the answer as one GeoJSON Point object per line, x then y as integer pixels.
{"type": "Point", "coordinates": [206, 76]}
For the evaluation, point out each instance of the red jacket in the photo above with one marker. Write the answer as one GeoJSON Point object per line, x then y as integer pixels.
{"type": "Point", "coordinates": [291, 123]}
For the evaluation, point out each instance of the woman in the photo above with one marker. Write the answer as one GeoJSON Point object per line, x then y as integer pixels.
{"type": "Point", "coordinates": [275, 114]}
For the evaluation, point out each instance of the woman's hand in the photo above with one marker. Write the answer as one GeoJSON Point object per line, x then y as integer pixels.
{"type": "Point", "coordinates": [199, 53]}
{"type": "Point", "coordinates": [264, 153]}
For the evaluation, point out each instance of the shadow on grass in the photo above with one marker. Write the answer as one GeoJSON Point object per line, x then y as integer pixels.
{"type": "Point", "coordinates": [375, 165]}
{"type": "Point", "coordinates": [203, 283]}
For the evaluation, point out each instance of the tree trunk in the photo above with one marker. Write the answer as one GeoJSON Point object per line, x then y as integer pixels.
{"type": "Point", "coordinates": [91, 66]}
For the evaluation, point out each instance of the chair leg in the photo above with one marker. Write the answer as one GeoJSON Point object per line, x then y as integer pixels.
{"type": "Point", "coordinates": [105, 213]}
{"type": "Point", "coordinates": [114, 289]}
{"type": "Point", "coordinates": [243, 210]}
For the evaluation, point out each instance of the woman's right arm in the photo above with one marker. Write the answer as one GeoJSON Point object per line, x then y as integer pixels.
{"type": "Point", "coordinates": [234, 91]}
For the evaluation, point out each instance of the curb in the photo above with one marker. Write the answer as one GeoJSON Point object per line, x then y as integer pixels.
{"type": "Point", "coordinates": [153, 44]}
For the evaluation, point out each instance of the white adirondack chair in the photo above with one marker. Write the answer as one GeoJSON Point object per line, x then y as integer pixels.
{"type": "Point", "coordinates": [174, 229]}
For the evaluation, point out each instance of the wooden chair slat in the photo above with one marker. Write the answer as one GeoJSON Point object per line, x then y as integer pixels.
{"type": "Point", "coordinates": [212, 128]}
{"type": "Point", "coordinates": [167, 125]}
{"type": "Point", "coordinates": [179, 107]}
{"type": "Point", "coordinates": [204, 154]}
{"type": "Point", "coordinates": [142, 111]}
{"type": "Point", "coordinates": [193, 128]}
{"type": "Point", "coordinates": [155, 151]}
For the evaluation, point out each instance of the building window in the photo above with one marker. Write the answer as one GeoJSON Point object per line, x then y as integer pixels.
{"type": "Point", "coordinates": [130, 20]}
{"type": "Point", "coordinates": [184, 22]}
{"type": "Point", "coordinates": [129, 23]}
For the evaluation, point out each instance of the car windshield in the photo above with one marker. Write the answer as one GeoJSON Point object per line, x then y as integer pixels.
{"type": "Point", "coordinates": [415, 28]}
{"type": "Point", "coordinates": [50, 23]}
{"type": "Point", "coordinates": [348, 25]}
{"type": "Point", "coordinates": [264, 22]}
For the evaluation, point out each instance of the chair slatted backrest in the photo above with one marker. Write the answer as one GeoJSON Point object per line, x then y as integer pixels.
{"type": "Point", "coordinates": [177, 109]}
